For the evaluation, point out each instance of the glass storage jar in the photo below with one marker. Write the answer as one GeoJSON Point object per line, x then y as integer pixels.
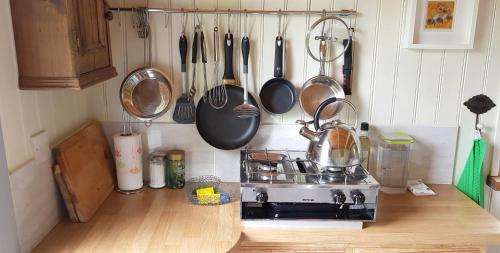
{"type": "Point", "coordinates": [175, 169]}
{"type": "Point", "coordinates": [157, 169]}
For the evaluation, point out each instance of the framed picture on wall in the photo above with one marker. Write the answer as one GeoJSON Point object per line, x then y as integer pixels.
{"type": "Point", "coordinates": [441, 24]}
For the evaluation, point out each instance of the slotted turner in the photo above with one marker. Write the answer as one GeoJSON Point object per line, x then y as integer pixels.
{"type": "Point", "coordinates": [184, 111]}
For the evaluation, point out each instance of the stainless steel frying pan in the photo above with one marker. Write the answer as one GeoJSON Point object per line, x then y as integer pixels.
{"type": "Point", "coordinates": [321, 87]}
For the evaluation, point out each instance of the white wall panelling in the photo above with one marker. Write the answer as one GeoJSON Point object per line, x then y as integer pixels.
{"type": "Point", "coordinates": [391, 85]}
{"type": "Point", "coordinates": [8, 227]}
{"type": "Point", "coordinates": [25, 113]}
{"type": "Point", "coordinates": [37, 202]}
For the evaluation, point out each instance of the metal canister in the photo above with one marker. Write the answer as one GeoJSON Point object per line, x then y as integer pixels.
{"type": "Point", "coordinates": [157, 169]}
{"type": "Point", "coordinates": [175, 169]}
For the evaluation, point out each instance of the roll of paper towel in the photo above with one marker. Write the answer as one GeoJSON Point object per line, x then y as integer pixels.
{"type": "Point", "coordinates": [128, 157]}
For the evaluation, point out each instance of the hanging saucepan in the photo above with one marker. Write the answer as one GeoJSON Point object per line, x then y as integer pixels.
{"type": "Point", "coordinates": [321, 87]}
{"type": "Point", "coordinates": [146, 93]}
{"type": "Point", "coordinates": [278, 95]}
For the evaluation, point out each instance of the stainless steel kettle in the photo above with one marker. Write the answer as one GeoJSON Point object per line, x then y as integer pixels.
{"type": "Point", "coordinates": [334, 144]}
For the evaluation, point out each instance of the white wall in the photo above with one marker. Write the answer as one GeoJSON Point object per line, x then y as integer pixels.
{"type": "Point", "coordinates": [25, 113]}
{"type": "Point", "coordinates": [8, 229]}
{"type": "Point", "coordinates": [392, 85]}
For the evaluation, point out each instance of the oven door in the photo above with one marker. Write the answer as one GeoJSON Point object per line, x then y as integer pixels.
{"type": "Point", "coordinates": [273, 210]}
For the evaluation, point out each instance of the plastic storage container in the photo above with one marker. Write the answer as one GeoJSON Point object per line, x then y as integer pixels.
{"type": "Point", "coordinates": [390, 161]}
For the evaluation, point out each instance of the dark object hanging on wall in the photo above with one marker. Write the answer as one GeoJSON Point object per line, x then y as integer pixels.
{"type": "Point", "coordinates": [479, 104]}
{"type": "Point", "coordinates": [347, 68]}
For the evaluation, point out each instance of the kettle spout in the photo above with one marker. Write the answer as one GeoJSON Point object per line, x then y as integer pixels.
{"type": "Point", "coordinates": [309, 134]}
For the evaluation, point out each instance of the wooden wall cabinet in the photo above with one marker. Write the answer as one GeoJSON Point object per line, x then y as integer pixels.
{"type": "Point", "coordinates": [61, 43]}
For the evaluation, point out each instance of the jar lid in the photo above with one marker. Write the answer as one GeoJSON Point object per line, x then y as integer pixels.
{"type": "Point", "coordinates": [397, 138]}
{"type": "Point", "coordinates": [157, 156]}
{"type": "Point", "coordinates": [175, 155]}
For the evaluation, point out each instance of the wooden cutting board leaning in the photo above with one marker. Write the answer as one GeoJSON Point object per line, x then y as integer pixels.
{"type": "Point", "coordinates": [85, 170]}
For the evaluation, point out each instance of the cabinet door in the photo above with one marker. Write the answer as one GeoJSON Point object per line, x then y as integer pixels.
{"type": "Point", "coordinates": [289, 248]}
{"type": "Point", "coordinates": [91, 35]}
{"type": "Point", "coordinates": [430, 250]}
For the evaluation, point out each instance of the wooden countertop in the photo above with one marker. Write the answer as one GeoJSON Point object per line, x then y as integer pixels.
{"type": "Point", "coordinates": [164, 221]}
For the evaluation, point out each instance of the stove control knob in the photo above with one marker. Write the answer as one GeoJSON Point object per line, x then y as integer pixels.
{"type": "Point", "coordinates": [357, 197]}
{"type": "Point", "coordinates": [262, 197]}
{"type": "Point", "coordinates": [338, 198]}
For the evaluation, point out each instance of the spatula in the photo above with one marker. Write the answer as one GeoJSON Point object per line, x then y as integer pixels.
{"type": "Point", "coordinates": [184, 111]}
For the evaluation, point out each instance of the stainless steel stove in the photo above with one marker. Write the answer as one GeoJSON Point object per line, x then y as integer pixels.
{"type": "Point", "coordinates": [280, 184]}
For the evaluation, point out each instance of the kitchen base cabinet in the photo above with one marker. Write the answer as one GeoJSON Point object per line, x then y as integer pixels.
{"type": "Point", "coordinates": [305, 248]}
{"type": "Point", "coordinates": [61, 44]}
{"type": "Point", "coordinates": [423, 250]}
{"type": "Point", "coordinates": [248, 247]}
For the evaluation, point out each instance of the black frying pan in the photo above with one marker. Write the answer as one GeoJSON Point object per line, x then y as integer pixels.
{"type": "Point", "coordinates": [278, 95]}
{"type": "Point", "coordinates": [221, 128]}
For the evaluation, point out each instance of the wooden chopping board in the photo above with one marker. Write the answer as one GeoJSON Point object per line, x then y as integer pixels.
{"type": "Point", "coordinates": [87, 166]}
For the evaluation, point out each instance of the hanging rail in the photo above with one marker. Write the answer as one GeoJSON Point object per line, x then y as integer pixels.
{"type": "Point", "coordinates": [342, 13]}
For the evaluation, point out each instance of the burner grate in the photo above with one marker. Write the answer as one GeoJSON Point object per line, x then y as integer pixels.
{"type": "Point", "coordinates": [292, 167]}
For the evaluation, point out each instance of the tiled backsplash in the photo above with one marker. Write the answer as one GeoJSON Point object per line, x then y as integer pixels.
{"type": "Point", "coordinates": [432, 160]}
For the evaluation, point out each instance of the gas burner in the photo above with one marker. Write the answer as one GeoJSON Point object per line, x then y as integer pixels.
{"type": "Point", "coordinates": [265, 176]}
{"type": "Point", "coordinates": [332, 176]}
{"type": "Point", "coordinates": [331, 169]}
{"type": "Point", "coordinates": [261, 170]}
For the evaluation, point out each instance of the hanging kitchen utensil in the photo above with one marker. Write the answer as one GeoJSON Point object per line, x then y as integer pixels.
{"type": "Point", "coordinates": [194, 58]}
{"type": "Point", "coordinates": [228, 77]}
{"type": "Point", "coordinates": [246, 110]}
{"type": "Point", "coordinates": [347, 68]}
{"type": "Point", "coordinates": [220, 127]}
{"type": "Point", "coordinates": [204, 61]}
{"type": "Point", "coordinates": [471, 182]}
{"type": "Point", "coordinates": [146, 93]}
{"type": "Point", "coordinates": [184, 111]}
{"type": "Point", "coordinates": [333, 144]}
{"type": "Point", "coordinates": [321, 87]}
{"type": "Point", "coordinates": [278, 95]}
{"type": "Point", "coordinates": [217, 96]}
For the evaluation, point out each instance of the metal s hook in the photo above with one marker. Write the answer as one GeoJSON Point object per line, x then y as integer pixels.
{"type": "Point", "coordinates": [184, 21]}
{"type": "Point", "coordinates": [245, 31]}
{"type": "Point", "coordinates": [198, 19]}
{"type": "Point", "coordinates": [279, 22]}
{"type": "Point", "coordinates": [228, 20]}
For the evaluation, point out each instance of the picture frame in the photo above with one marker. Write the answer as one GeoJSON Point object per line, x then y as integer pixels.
{"type": "Point", "coordinates": [441, 24]}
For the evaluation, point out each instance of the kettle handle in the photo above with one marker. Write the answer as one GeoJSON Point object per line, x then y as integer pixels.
{"type": "Point", "coordinates": [332, 100]}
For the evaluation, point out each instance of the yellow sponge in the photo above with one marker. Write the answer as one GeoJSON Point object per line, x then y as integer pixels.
{"type": "Point", "coordinates": [213, 198]}
{"type": "Point", "coordinates": [206, 190]}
